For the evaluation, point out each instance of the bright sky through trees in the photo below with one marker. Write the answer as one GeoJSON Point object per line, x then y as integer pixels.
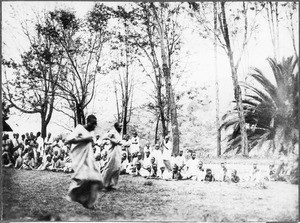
{"type": "Point", "coordinates": [198, 63]}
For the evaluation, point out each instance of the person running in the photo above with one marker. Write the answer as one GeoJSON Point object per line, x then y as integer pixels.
{"type": "Point", "coordinates": [86, 180]}
{"type": "Point", "coordinates": [112, 168]}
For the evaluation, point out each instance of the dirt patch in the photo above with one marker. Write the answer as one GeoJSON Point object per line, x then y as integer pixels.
{"type": "Point", "coordinates": [35, 195]}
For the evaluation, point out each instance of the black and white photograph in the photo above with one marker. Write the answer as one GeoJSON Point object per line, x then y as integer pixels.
{"type": "Point", "coordinates": [150, 111]}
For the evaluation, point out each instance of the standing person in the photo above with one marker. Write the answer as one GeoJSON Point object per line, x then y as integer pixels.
{"type": "Point", "coordinates": [225, 177]}
{"type": "Point", "coordinates": [180, 161]}
{"type": "Point", "coordinates": [48, 141]}
{"type": "Point", "coordinates": [31, 136]}
{"type": "Point", "coordinates": [40, 142]}
{"type": "Point", "coordinates": [16, 142]}
{"type": "Point", "coordinates": [135, 144]}
{"type": "Point", "coordinates": [147, 160]}
{"type": "Point", "coordinates": [111, 169]}
{"type": "Point", "coordinates": [192, 167]}
{"type": "Point", "coordinates": [157, 154]}
{"type": "Point", "coordinates": [86, 181]}
{"type": "Point", "coordinates": [148, 148]}
{"type": "Point", "coordinates": [167, 152]}
{"type": "Point", "coordinates": [126, 146]}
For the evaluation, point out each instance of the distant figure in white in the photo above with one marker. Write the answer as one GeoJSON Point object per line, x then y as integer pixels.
{"type": "Point", "coordinates": [135, 144]}
{"type": "Point", "coordinates": [167, 146]}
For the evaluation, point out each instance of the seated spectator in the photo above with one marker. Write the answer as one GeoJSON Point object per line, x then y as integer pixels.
{"type": "Point", "coordinates": [139, 170]}
{"type": "Point", "coordinates": [60, 164]}
{"type": "Point", "coordinates": [23, 139]}
{"type": "Point", "coordinates": [153, 173]}
{"type": "Point", "coordinates": [145, 172]}
{"type": "Point", "coordinates": [272, 173]}
{"type": "Point", "coordinates": [192, 167]}
{"type": "Point", "coordinates": [56, 150]}
{"type": "Point", "coordinates": [175, 173]}
{"type": "Point", "coordinates": [6, 160]}
{"type": "Point", "coordinates": [201, 172]}
{"type": "Point", "coordinates": [9, 145]}
{"type": "Point", "coordinates": [157, 154]}
{"type": "Point", "coordinates": [68, 164]}
{"type": "Point", "coordinates": [55, 154]}
{"type": "Point", "coordinates": [153, 168]}
{"type": "Point", "coordinates": [46, 153]}
{"type": "Point", "coordinates": [209, 176]}
{"type": "Point", "coordinates": [180, 161]}
{"type": "Point", "coordinates": [14, 157]}
{"type": "Point", "coordinates": [19, 161]}
{"type": "Point", "coordinates": [21, 149]}
{"type": "Point", "coordinates": [132, 169]}
{"type": "Point", "coordinates": [147, 160]}
{"type": "Point", "coordinates": [39, 160]}
{"type": "Point", "coordinates": [64, 148]}
{"type": "Point", "coordinates": [126, 145]}
{"type": "Point", "coordinates": [129, 157]}
{"type": "Point", "coordinates": [255, 176]}
{"type": "Point", "coordinates": [162, 170]}
{"type": "Point", "coordinates": [135, 158]}
{"type": "Point", "coordinates": [54, 163]}
{"type": "Point", "coordinates": [225, 177]}
{"type": "Point", "coordinates": [124, 164]}
{"type": "Point", "coordinates": [47, 164]}
{"type": "Point", "coordinates": [138, 167]}
{"type": "Point", "coordinates": [28, 161]}
{"type": "Point", "coordinates": [234, 177]}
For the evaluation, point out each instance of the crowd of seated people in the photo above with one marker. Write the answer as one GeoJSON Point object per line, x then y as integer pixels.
{"type": "Point", "coordinates": [32, 152]}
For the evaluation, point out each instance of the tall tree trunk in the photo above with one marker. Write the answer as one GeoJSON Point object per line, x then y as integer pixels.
{"type": "Point", "coordinates": [272, 16]}
{"type": "Point", "coordinates": [124, 121]}
{"type": "Point", "coordinates": [237, 89]}
{"type": "Point", "coordinates": [75, 118]}
{"type": "Point", "coordinates": [78, 115]}
{"type": "Point", "coordinates": [174, 123]}
{"type": "Point", "coordinates": [126, 90]}
{"type": "Point", "coordinates": [171, 106]}
{"type": "Point", "coordinates": [217, 82]}
{"type": "Point", "coordinates": [156, 128]}
{"type": "Point", "coordinates": [161, 104]}
{"type": "Point", "coordinates": [290, 15]}
{"type": "Point", "coordinates": [117, 103]}
{"type": "Point", "coordinates": [43, 126]}
{"type": "Point", "coordinates": [277, 30]}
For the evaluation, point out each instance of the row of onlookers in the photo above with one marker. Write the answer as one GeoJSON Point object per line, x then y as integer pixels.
{"type": "Point", "coordinates": [32, 152]}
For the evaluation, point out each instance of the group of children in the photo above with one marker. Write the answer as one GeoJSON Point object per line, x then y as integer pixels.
{"type": "Point", "coordinates": [151, 166]}
{"type": "Point", "coordinates": [32, 152]}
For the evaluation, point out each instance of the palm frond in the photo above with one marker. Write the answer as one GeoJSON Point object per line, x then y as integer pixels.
{"type": "Point", "coordinates": [270, 111]}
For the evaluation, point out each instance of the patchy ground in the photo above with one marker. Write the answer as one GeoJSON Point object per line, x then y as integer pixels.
{"type": "Point", "coordinates": [38, 195]}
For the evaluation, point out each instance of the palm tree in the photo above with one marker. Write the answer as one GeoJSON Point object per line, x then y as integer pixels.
{"type": "Point", "coordinates": [270, 110]}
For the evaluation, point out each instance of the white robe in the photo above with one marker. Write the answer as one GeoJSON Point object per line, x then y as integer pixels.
{"type": "Point", "coordinates": [85, 169]}
{"type": "Point", "coordinates": [111, 170]}
{"type": "Point", "coordinates": [135, 145]}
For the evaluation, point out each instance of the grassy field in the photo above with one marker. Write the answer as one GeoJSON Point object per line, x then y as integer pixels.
{"type": "Point", "coordinates": [34, 195]}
